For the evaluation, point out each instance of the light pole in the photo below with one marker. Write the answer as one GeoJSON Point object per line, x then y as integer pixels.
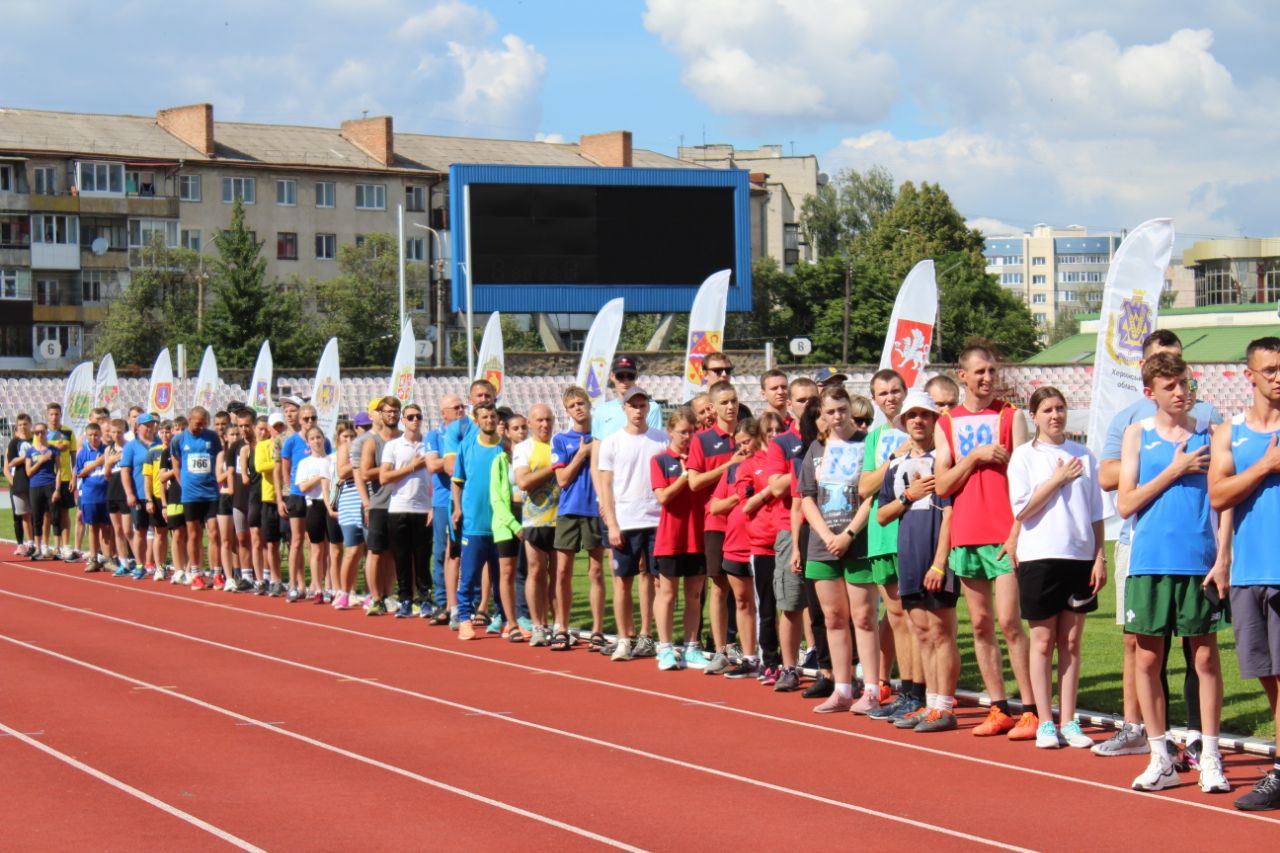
{"type": "Point", "coordinates": [844, 346]}
{"type": "Point", "coordinates": [439, 259]}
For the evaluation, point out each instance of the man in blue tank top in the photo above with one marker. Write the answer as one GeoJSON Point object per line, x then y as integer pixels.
{"type": "Point", "coordinates": [1244, 477]}
{"type": "Point", "coordinates": [1177, 564]}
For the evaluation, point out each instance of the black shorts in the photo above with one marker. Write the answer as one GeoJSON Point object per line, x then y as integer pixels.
{"type": "Point", "coordinates": [508, 548]}
{"type": "Point", "coordinates": [542, 538]}
{"type": "Point", "coordinates": [317, 523]}
{"type": "Point", "coordinates": [713, 543]}
{"type": "Point", "coordinates": [636, 545]}
{"type": "Point", "coordinates": [296, 505]}
{"type": "Point", "coordinates": [269, 522]}
{"type": "Point", "coordinates": [682, 566]}
{"type": "Point", "coordinates": [737, 568]}
{"type": "Point", "coordinates": [198, 512]}
{"type": "Point", "coordinates": [927, 600]}
{"type": "Point", "coordinates": [224, 504]}
{"type": "Point", "coordinates": [1048, 587]}
{"type": "Point", "coordinates": [376, 537]}
{"type": "Point", "coordinates": [333, 530]}
{"type": "Point", "coordinates": [254, 515]}
{"type": "Point", "coordinates": [455, 542]}
{"type": "Point", "coordinates": [140, 517]}
{"type": "Point", "coordinates": [158, 516]}
{"type": "Point", "coordinates": [64, 497]}
{"type": "Point", "coordinates": [117, 506]}
{"type": "Point", "coordinates": [176, 521]}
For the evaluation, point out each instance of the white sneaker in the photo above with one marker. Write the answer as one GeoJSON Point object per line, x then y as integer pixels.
{"type": "Point", "coordinates": [229, 586]}
{"type": "Point", "coordinates": [1074, 737]}
{"type": "Point", "coordinates": [179, 577]}
{"type": "Point", "coordinates": [623, 651]}
{"type": "Point", "coordinates": [1158, 775]}
{"type": "Point", "coordinates": [1212, 780]}
{"type": "Point", "coordinates": [158, 576]}
{"type": "Point", "coordinates": [1047, 735]}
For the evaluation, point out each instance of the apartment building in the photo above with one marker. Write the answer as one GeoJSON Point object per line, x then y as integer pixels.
{"type": "Point", "coordinates": [1244, 271]}
{"type": "Point", "coordinates": [81, 192]}
{"type": "Point", "coordinates": [1052, 269]}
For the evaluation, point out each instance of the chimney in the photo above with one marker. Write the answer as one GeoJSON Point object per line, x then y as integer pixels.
{"type": "Point", "coordinates": [607, 149]}
{"type": "Point", "coordinates": [373, 136]}
{"type": "Point", "coordinates": [191, 124]}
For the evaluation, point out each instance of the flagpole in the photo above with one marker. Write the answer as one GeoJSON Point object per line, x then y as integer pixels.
{"type": "Point", "coordinates": [400, 218]}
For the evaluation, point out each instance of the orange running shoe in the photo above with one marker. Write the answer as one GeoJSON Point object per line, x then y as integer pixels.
{"type": "Point", "coordinates": [1026, 727]}
{"type": "Point", "coordinates": [996, 723]}
{"type": "Point", "coordinates": [886, 693]}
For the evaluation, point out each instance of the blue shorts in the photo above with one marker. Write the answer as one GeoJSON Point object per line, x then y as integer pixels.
{"type": "Point", "coordinates": [636, 544]}
{"type": "Point", "coordinates": [352, 535]}
{"type": "Point", "coordinates": [94, 513]}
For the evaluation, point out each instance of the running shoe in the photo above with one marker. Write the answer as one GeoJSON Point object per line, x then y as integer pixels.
{"type": "Point", "coordinates": [645, 647]}
{"type": "Point", "coordinates": [317, 597]}
{"type": "Point", "coordinates": [747, 669]}
{"type": "Point", "coordinates": [293, 595]}
{"type": "Point", "coordinates": [122, 571]}
{"type": "Point", "coordinates": [937, 720]}
{"type": "Point", "coordinates": [495, 626]}
{"type": "Point", "coordinates": [70, 556]}
{"type": "Point", "coordinates": [1212, 780]}
{"type": "Point", "coordinates": [1129, 740]}
{"type": "Point", "coordinates": [243, 585]}
{"type": "Point", "coordinates": [734, 653]}
{"type": "Point", "coordinates": [1158, 775]}
{"type": "Point", "coordinates": [810, 659]}
{"type": "Point", "coordinates": [821, 688]}
{"type": "Point", "coordinates": [1265, 795]}
{"type": "Point", "coordinates": [342, 602]}
{"type": "Point", "coordinates": [866, 703]}
{"type": "Point", "coordinates": [788, 680]}
{"type": "Point", "coordinates": [608, 648]}
{"type": "Point", "coordinates": [996, 723]}
{"type": "Point", "coordinates": [261, 587]}
{"type": "Point", "coordinates": [139, 573]}
{"type": "Point", "coordinates": [229, 585]}
{"type": "Point", "coordinates": [1025, 729]}
{"type": "Point", "coordinates": [1074, 736]}
{"type": "Point", "coordinates": [178, 578]}
{"type": "Point", "coordinates": [405, 610]}
{"type": "Point", "coordinates": [885, 712]}
{"type": "Point", "coordinates": [525, 623]}
{"type": "Point", "coordinates": [328, 596]}
{"type": "Point", "coordinates": [769, 676]}
{"type": "Point", "coordinates": [913, 719]}
{"type": "Point", "coordinates": [719, 663]}
{"type": "Point", "coordinates": [695, 657]}
{"type": "Point", "coordinates": [835, 704]}
{"type": "Point", "coordinates": [36, 557]}
{"type": "Point", "coordinates": [377, 608]}
{"type": "Point", "coordinates": [1181, 764]}
{"type": "Point", "coordinates": [92, 566]}
{"type": "Point", "coordinates": [1192, 751]}
{"type": "Point", "coordinates": [1047, 735]}
{"type": "Point", "coordinates": [219, 581]}
{"type": "Point", "coordinates": [667, 659]}
{"type": "Point", "coordinates": [467, 630]}
{"type": "Point", "coordinates": [277, 590]}
{"type": "Point", "coordinates": [158, 575]}
{"type": "Point", "coordinates": [538, 636]}
{"type": "Point", "coordinates": [886, 693]}
{"type": "Point", "coordinates": [197, 583]}
{"type": "Point", "coordinates": [622, 651]}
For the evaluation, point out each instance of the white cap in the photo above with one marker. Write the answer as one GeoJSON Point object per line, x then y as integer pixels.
{"type": "Point", "coordinates": [275, 419]}
{"type": "Point", "coordinates": [914, 400]}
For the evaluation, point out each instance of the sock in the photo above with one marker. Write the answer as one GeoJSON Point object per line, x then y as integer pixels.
{"type": "Point", "coordinates": [1002, 704]}
{"type": "Point", "coordinates": [946, 703]}
{"type": "Point", "coordinates": [1192, 736]}
{"type": "Point", "coordinates": [1159, 749]}
{"type": "Point", "coordinates": [906, 687]}
{"type": "Point", "coordinates": [1210, 745]}
{"type": "Point", "coordinates": [872, 691]}
{"type": "Point", "coordinates": [752, 659]}
{"type": "Point", "coordinates": [844, 691]}
{"type": "Point", "coordinates": [918, 691]}
{"type": "Point", "coordinates": [663, 647]}
{"type": "Point", "coordinates": [931, 700]}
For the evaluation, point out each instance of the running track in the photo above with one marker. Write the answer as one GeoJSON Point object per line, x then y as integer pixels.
{"type": "Point", "coordinates": [137, 715]}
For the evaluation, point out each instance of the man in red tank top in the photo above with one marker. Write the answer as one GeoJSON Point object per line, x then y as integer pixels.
{"type": "Point", "coordinates": [974, 441]}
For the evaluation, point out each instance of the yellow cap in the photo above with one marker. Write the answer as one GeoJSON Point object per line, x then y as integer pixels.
{"type": "Point", "coordinates": [372, 408]}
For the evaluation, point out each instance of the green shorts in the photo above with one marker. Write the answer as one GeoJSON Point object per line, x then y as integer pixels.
{"type": "Point", "coordinates": [1157, 605]}
{"type": "Point", "coordinates": [979, 562]}
{"type": "Point", "coordinates": [884, 568]}
{"type": "Point", "coordinates": [852, 569]}
{"type": "Point", "coordinates": [577, 533]}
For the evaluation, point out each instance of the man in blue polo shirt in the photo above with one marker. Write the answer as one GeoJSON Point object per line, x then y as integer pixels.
{"type": "Point", "coordinates": [194, 451]}
{"type": "Point", "coordinates": [444, 566]}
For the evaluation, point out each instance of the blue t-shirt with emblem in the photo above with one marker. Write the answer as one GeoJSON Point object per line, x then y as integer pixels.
{"type": "Point", "coordinates": [1255, 518]}
{"type": "Point", "coordinates": [93, 489]}
{"type": "Point", "coordinates": [579, 497]}
{"type": "Point", "coordinates": [194, 456]}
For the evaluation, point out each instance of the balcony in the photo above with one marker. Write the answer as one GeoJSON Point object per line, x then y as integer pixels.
{"type": "Point", "coordinates": [13, 200]}
{"type": "Point", "coordinates": [11, 256]}
{"type": "Point", "coordinates": [112, 259]}
{"type": "Point", "coordinates": [55, 256]}
{"type": "Point", "coordinates": [60, 203]}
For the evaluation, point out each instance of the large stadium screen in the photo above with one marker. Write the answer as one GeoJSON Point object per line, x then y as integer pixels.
{"type": "Point", "coordinates": [570, 239]}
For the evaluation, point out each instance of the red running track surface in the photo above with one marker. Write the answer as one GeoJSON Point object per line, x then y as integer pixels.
{"type": "Point", "coordinates": [297, 726]}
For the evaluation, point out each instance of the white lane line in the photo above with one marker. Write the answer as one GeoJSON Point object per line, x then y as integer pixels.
{"type": "Point", "coordinates": [658, 694]}
{"type": "Point", "coordinates": [505, 716]}
{"type": "Point", "coordinates": [364, 759]}
{"type": "Point", "coordinates": [132, 791]}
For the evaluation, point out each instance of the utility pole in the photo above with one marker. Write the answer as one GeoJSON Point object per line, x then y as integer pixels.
{"type": "Point", "coordinates": [844, 349]}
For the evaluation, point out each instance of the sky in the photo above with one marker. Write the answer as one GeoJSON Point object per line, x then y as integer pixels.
{"type": "Point", "coordinates": [1102, 114]}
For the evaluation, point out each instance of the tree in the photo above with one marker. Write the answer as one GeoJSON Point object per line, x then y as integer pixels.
{"type": "Point", "coordinates": [242, 314]}
{"type": "Point", "coordinates": [156, 310]}
{"type": "Point", "coordinates": [846, 207]}
{"type": "Point", "coordinates": [360, 307]}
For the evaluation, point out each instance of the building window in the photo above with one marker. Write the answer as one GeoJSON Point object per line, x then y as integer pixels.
{"type": "Point", "coordinates": [415, 249]}
{"type": "Point", "coordinates": [287, 246]}
{"type": "Point", "coordinates": [46, 178]}
{"type": "Point", "coordinates": [110, 229]}
{"type": "Point", "coordinates": [47, 292]}
{"type": "Point", "coordinates": [67, 336]}
{"type": "Point", "coordinates": [55, 228]}
{"type": "Point", "coordinates": [287, 192]}
{"type": "Point", "coordinates": [191, 239]}
{"type": "Point", "coordinates": [326, 246]}
{"type": "Point", "coordinates": [8, 284]}
{"type": "Point", "coordinates": [1037, 279]}
{"type": "Point", "coordinates": [91, 287]}
{"type": "Point", "coordinates": [1083, 259]}
{"type": "Point", "coordinates": [6, 178]}
{"type": "Point", "coordinates": [371, 197]}
{"type": "Point", "coordinates": [142, 232]}
{"type": "Point", "coordinates": [1066, 296]}
{"type": "Point", "coordinates": [324, 193]}
{"type": "Point", "coordinates": [238, 188]}
{"type": "Point", "coordinates": [1037, 261]}
{"type": "Point", "coordinates": [1011, 278]}
{"type": "Point", "coordinates": [1037, 299]}
{"type": "Point", "coordinates": [1040, 318]}
{"type": "Point", "coordinates": [15, 232]}
{"type": "Point", "coordinates": [100, 177]}
{"type": "Point", "coordinates": [415, 199]}
{"type": "Point", "coordinates": [189, 187]}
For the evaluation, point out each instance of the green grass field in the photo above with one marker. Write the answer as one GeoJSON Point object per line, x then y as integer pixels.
{"type": "Point", "coordinates": [1245, 709]}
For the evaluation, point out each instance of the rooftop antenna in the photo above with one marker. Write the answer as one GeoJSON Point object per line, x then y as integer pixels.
{"type": "Point", "coordinates": [364, 114]}
{"type": "Point", "coordinates": [793, 148]}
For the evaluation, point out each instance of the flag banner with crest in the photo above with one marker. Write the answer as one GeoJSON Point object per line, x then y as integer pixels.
{"type": "Point", "coordinates": [706, 331]}
{"type": "Point", "coordinates": [78, 396]}
{"type": "Point", "coordinates": [107, 391]}
{"type": "Point", "coordinates": [260, 384]}
{"type": "Point", "coordinates": [207, 382]}
{"type": "Point", "coordinates": [326, 390]}
{"type": "Point", "coordinates": [910, 334]}
{"type": "Point", "coordinates": [491, 363]}
{"type": "Point", "coordinates": [599, 348]}
{"type": "Point", "coordinates": [402, 369]}
{"type": "Point", "coordinates": [160, 400]}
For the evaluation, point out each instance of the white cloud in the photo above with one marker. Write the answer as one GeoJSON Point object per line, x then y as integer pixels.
{"type": "Point", "coordinates": [556, 138]}
{"type": "Point", "coordinates": [448, 20]}
{"type": "Point", "coordinates": [994, 227]}
{"type": "Point", "coordinates": [499, 85]}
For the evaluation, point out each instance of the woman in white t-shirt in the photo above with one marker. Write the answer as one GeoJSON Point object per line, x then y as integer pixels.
{"type": "Point", "coordinates": [315, 474]}
{"type": "Point", "coordinates": [1053, 486]}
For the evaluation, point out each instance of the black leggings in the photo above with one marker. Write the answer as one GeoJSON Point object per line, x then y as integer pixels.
{"type": "Point", "coordinates": [411, 549]}
{"type": "Point", "coordinates": [42, 506]}
{"type": "Point", "coordinates": [766, 610]}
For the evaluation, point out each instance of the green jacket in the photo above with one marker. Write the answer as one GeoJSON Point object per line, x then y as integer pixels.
{"type": "Point", "coordinates": [505, 524]}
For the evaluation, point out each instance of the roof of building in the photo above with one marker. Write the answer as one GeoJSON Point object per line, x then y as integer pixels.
{"type": "Point", "coordinates": [1085, 245]}
{"type": "Point", "coordinates": [1199, 344]}
{"type": "Point", "coordinates": [90, 134]}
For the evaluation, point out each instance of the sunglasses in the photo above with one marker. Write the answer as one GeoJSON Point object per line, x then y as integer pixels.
{"type": "Point", "coordinates": [862, 421]}
{"type": "Point", "coordinates": [308, 420]}
{"type": "Point", "coordinates": [727, 371]}
{"type": "Point", "coordinates": [413, 417]}
{"type": "Point", "coordinates": [625, 377]}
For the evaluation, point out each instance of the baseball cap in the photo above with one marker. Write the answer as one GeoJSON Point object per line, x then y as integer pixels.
{"type": "Point", "coordinates": [146, 418]}
{"type": "Point", "coordinates": [636, 391]}
{"type": "Point", "coordinates": [373, 406]}
{"type": "Point", "coordinates": [914, 400]}
{"type": "Point", "coordinates": [362, 419]}
{"type": "Point", "coordinates": [828, 375]}
{"type": "Point", "coordinates": [292, 398]}
{"type": "Point", "coordinates": [275, 419]}
{"type": "Point", "coordinates": [624, 363]}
